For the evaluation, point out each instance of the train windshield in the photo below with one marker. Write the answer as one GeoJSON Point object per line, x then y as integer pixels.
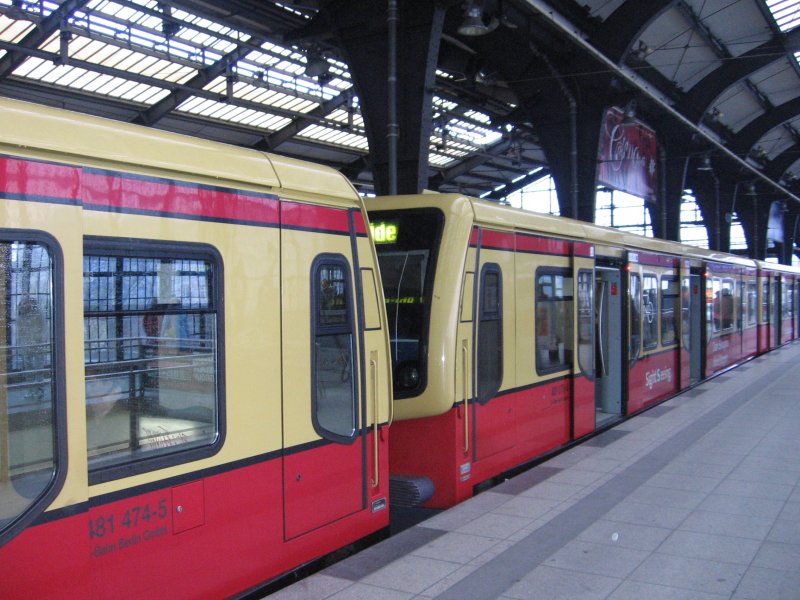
{"type": "Point", "coordinates": [407, 242]}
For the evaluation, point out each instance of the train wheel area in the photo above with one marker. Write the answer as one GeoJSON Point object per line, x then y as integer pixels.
{"type": "Point", "coordinates": [696, 497]}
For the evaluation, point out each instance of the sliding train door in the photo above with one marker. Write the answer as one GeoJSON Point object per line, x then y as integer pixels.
{"type": "Point", "coordinates": [608, 310]}
{"type": "Point", "coordinates": [583, 366]}
{"type": "Point", "coordinates": [693, 328]}
{"type": "Point", "coordinates": [324, 461]}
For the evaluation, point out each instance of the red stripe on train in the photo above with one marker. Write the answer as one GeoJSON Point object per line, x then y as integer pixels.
{"type": "Point", "coordinates": [149, 195]}
{"type": "Point", "coordinates": [529, 243]}
{"type": "Point", "coordinates": [39, 179]}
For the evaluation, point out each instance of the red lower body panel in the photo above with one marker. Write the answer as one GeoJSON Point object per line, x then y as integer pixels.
{"type": "Point", "coordinates": [506, 431]}
{"type": "Point", "coordinates": [652, 379]}
{"type": "Point", "coordinates": [207, 538]}
{"type": "Point", "coordinates": [727, 350]}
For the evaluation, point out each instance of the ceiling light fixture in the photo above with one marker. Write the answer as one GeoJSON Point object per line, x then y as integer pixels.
{"type": "Point", "coordinates": [475, 23]}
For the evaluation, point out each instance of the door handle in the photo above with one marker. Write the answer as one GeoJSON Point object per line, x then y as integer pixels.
{"type": "Point", "coordinates": [467, 392]}
{"type": "Point", "coordinates": [373, 368]}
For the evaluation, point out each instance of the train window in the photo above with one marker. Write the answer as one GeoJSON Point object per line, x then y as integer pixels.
{"type": "Point", "coordinates": [686, 300]}
{"type": "Point", "coordinates": [765, 301]}
{"type": "Point", "coordinates": [554, 318]}
{"type": "Point", "coordinates": [752, 303]}
{"type": "Point", "coordinates": [585, 322]}
{"type": "Point", "coordinates": [332, 366]}
{"type": "Point", "coordinates": [723, 310]}
{"type": "Point", "coordinates": [786, 300]}
{"type": "Point", "coordinates": [739, 304]}
{"type": "Point", "coordinates": [713, 292]}
{"type": "Point", "coordinates": [407, 261]}
{"type": "Point", "coordinates": [650, 311]}
{"type": "Point", "coordinates": [490, 332]}
{"type": "Point", "coordinates": [774, 301]}
{"type": "Point", "coordinates": [670, 293]}
{"type": "Point", "coordinates": [151, 331]}
{"type": "Point", "coordinates": [635, 293]}
{"type": "Point", "coordinates": [31, 415]}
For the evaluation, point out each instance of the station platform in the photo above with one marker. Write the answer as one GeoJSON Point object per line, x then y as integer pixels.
{"type": "Point", "coordinates": [697, 498]}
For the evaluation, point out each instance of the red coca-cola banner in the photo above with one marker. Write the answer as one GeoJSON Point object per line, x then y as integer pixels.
{"type": "Point", "coordinates": [627, 157]}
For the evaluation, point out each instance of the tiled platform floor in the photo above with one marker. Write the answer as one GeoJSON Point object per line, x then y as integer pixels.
{"type": "Point", "coordinates": [696, 499]}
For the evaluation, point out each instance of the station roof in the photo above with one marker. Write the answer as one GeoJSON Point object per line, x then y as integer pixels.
{"type": "Point", "coordinates": [236, 71]}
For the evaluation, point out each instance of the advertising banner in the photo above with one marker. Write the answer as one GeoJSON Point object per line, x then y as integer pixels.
{"type": "Point", "coordinates": [627, 157]}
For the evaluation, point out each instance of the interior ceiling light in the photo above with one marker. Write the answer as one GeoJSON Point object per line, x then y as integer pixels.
{"type": "Point", "coordinates": [630, 113]}
{"type": "Point", "coordinates": [475, 23]}
{"type": "Point", "coordinates": [705, 163]}
{"type": "Point", "coordinates": [643, 51]}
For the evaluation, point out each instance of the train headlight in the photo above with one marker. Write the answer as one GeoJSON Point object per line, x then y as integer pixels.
{"type": "Point", "coordinates": [407, 376]}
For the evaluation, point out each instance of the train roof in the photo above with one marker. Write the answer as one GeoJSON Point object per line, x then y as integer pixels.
{"type": "Point", "coordinates": [771, 266]}
{"type": "Point", "coordinates": [510, 218]}
{"type": "Point", "coordinates": [65, 136]}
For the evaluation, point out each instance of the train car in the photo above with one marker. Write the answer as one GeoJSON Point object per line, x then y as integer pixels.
{"type": "Point", "coordinates": [731, 311]}
{"type": "Point", "coordinates": [778, 285]}
{"type": "Point", "coordinates": [514, 334]}
{"type": "Point", "coordinates": [196, 379]}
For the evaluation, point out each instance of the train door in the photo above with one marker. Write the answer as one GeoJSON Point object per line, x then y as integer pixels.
{"type": "Point", "coordinates": [324, 462]}
{"type": "Point", "coordinates": [583, 367]}
{"type": "Point", "coordinates": [693, 332]}
{"type": "Point", "coordinates": [493, 417]}
{"type": "Point", "coordinates": [775, 310]}
{"type": "Point", "coordinates": [608, 344]}
{"type": "Point", "coordinates": [796, 304]}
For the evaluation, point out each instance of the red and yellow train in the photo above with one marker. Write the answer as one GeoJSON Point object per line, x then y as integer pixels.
{"type": "Point", "coordinates": [196, 382]}
{"type": "Point", "coordinates": [514, 334]}
{"type": "Point", "coordinates": [205, 351]}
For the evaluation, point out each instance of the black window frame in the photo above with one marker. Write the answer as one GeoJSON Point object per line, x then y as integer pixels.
{"type": "Point", "coordinates": [487, 389]}
{"type": "Point", "coordinates": [58, 365]}
{"type": "Point", "coordinates": [751, 299]}
{"type": "Point", "coordinates": [141, 248]}
{"type": "Point", "coordinates": [318, 329]}
{"type": "Point", "coordinates": [566, 273]}
{"type": "Point", "coordinates": [727, 301]}
{"type": "Point", "coordinates": [635, 317]}
{"type": "Point", "coordinates": [427, 299]}
{"type": "Point", "coordinates": [587, 371]}
{"type": "Point", "coordinates": [651, 329]}
{"type": "Point", "coordinates": [675, 296]}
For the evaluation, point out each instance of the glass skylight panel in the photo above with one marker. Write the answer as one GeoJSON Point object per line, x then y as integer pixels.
{"type": "Point", "coordinates": [14, 30]}
{"type": "Point", "coordinates": [338, 137]}
{"type": "Point", "coordinates": [269, 98]}
{"type": "Point", "coordinates": [439, 160]}
{"type": "Point", "coordinates": [222, 110]}
{"type": "Point", "coordinates": [128, 60]}
{"type": "Point", "coordinates": [785, 12]}
{"type": "Point", "coordinates": [478, 116]}
{"type": "Point", "coordinates": [345, 117]}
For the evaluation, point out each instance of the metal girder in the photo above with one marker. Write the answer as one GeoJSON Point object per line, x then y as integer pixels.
{"type": "Point", "coordinates": [518, 185]}
{"type": "Point", "coordinates": [40, 34]}
{"type": "Point", "coordinates": [184, 89]}
{"type": "Point", "coordinates": [469, 164]}
{"type": "Point", "coordinates": [775, 168]}
{"type": "Point", "coordinates": [698, 100]}
{"type": "Point", "coordinates": [367, 52]}
{"type": "Point", "coordinates": [198, 82]}
{"type": "Point", "coordinates": [624, 26]}
{"type": "Point", "coordinates": [273, 140]}
{"type": "Point", "coordinates": [747, 137]}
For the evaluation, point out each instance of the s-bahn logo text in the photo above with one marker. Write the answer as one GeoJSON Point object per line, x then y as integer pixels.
{"type": "Point", "coordinates": [657, 376]}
